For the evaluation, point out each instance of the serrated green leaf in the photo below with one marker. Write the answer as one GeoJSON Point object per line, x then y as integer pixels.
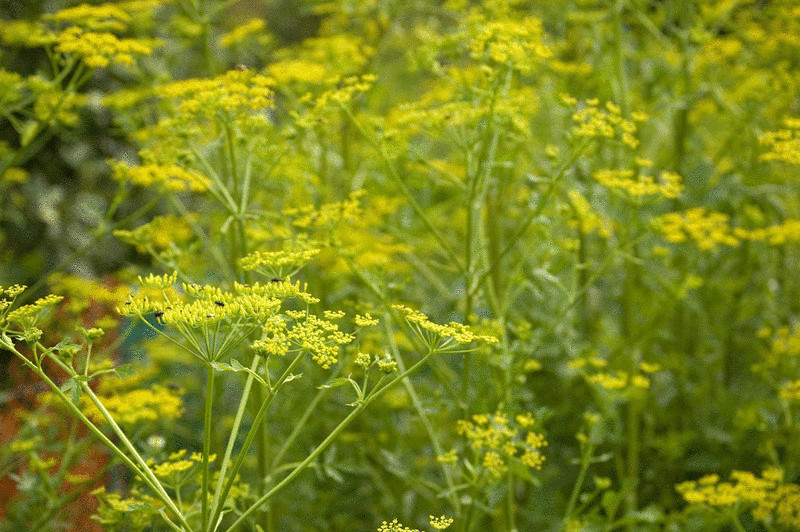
{"type": "Point", "coordinates": [126, 370]}
{"type": "Point", "coordinates": [341, 381]}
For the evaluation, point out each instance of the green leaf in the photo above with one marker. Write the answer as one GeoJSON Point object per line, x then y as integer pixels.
{"type": "Point", "coordinates": [72, 389]}
{"type": "Point", "coordinates": [236, 367]}
{"type": "Point", "coordinates": [335, 383]}
{"type": "Point", "coordinates": [126, 370]}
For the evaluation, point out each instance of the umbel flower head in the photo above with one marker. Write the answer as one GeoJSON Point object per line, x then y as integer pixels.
{"type": "Point", "coordinates": [214, 321]}
{"type": "Point", "coordinates": [91, 33]}
{"type": "Point", "coordinates": [441, 337]}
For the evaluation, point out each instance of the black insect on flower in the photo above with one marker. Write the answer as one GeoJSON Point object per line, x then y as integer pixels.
{"type": "Point", "coordinates": [219, 303]}
{"type": "Point", "coordinates": [276, 280]}
{"type": "Point", "coordinates": [158, 313]}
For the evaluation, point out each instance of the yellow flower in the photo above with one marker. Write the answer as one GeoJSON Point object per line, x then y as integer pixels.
{"type": "Point", "coordinates": [296, 70]}
{"type": "Point", "coordinates": [100, 50]}
{"type": "Point", "coordinates": [239, 33]}
{"type": "Point", "coordinates": [170, 176]}
{"type": "Point", "coordinates": [440, 523]}
{"type": "Point", "coordinates": [157, 403]}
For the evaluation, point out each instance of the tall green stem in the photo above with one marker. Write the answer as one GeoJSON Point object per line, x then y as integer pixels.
{"type": "Point", "coordinates": [328, 440]}
{"type": "Point", "coordinates": [207, 421]}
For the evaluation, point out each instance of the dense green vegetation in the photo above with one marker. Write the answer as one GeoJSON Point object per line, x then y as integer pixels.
{"type": "Point", "coordinates": [307, 265]}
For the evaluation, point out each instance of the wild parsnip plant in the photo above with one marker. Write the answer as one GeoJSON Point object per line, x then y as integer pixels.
{"type": "Point", "coordinates": [343, 265]}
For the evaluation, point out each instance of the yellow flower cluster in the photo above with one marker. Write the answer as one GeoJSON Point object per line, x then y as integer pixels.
{"type": "Point", "coordinates": [338, 53]}
{"type": "Point", "coordinates": [278, 288]}
{"type": "Point", "coordinates": [176, 463]}
{"type": "Point", "coordinates": [170, 176]}
{"type": "Point", "coordinates": [496, 439]}
{"type": "Point", "coordinates": [7, 296]}
{"type": "Point", "coordinates": [247, 309]}
{"type": "Point", "coordinates": [441, 337]}
{"type": "Point", "coordinates": [114, 509]}
{"type": "Point", "coordinates": [273, 262]}
{"type": "Point", "coordinates": [784, 144]}
{"type": "Point", "coordinates": [395, 526]}
{"type": "Point", "coordinates": [159, 233]}
{"type": "Point", "coordinates": [591, 121]}
{"type": "Point", "coordinates": [25, 316]}
{"type": "Point", "coordinates": [58, 106]}
{"type": "Point", "coordinates": [707, 229]}
{"type": "Point", "coordinates": [104, 17]}
{"type": "Point", "coordinates": [618, 380]}
{"type": "Point", "coordinates": [81, 292]}
{"type": "Point", "coordinates": [320, 337]}
{"type": "Point", "coordinates": [346, 90]}
{"type": "Point", "coordinates": [669, 184]}
{"type": "Point", "coordinates": [296, 70]}
{"type": "Point", "coordinates": [328, 214]}
{"type": "Point", "coordinates": [349, 231]}
{"type": "Point", "coordinates": [100, 49]}
{"type": "Point", "coordinates": [240, 33]}
{"type": "Point", "coordinates": [365, 320]}
{"type": "Point", "coordinates": [586, 219]}
{"type": "Point", "coordinates": [786, 342]}
{"type": "Point", "coordinates": [235, 92]}
{"type": "Point", "coordinates": [441, 522]}
{"type": "Point", "coordinates": [440, 110]}
{"type": "Point", "coordinates": [787, 231]}
{"type": "Point", "coordinates": [157, 403]}
{"type": "Point", "coordinates": [516, 42]}
{"type": "Point", "coordinates": [771, 499]}
{"type": "Point", "coordinates": [90, 33]}
{"type": "Point", "coordinates": [24, 33]}
{"type": "Point", "coordinates": [791, 391]}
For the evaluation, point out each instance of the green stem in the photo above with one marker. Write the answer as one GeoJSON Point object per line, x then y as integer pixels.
{"type": "Point", "coordinates": [586, 457]}
{"type": "Point", "coordinates": [232, 439]}
{"type": "Point", "coordinates": [300, 424]}
{"type": "Point", "coordinates": [136, 464]}
{"type": "Point", "coordinates": [392, 172]}
{"type": "Point", "coordinates": [251, 434]}
{"type": "Point", "coordinates": [330, 439]}
{"type": "Point", "coordinates": [426, 422]}
{"type": "Point", "coordinates": [207, 420]}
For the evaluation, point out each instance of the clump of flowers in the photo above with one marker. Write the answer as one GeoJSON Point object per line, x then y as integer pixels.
{"type": "Point", "coordinates": [232, 93]}
{"type": "Point", "coordinates": [277, 264]}
{"type": "Point", "coordinates": [169, 176]}
{"type": "Point", "coordinates": [707, 229]}
{"type": "Point", "coordinates": [241, 32]}
{"type": "Point", "coordinates": [769, 498]}
{"type": "Point", "coordinates": [494, 440]}
{"type": "Point", "coordinates": [135, 406]}
{"type": "Point", "coordinates": [159, 234]}
{"type": "Point", "coordinates": [344, 91]}
{"type": "Point", "coordinates": [21, 322]}
{"type": "Point", "coordinates": [593, 121]}
{"type": "Point", "coordinates": [783, 145]}
{"type": "Point", "coordinates": [90, 35]}
{"type": "Point", "coordinates": [594, 371]}
{"type": "Point", "coordinates": [328, 214]}
{"type": "Point", "coordinates": [587, 220]}
{"type": "Point", "coordinates": [213, 321]}
{"type": "Point", "coordinates": [669, 184]}
{"type": "Point", "coordinates": [437, 523]}
{"type": "Point", "coordinates": [441, 337]}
